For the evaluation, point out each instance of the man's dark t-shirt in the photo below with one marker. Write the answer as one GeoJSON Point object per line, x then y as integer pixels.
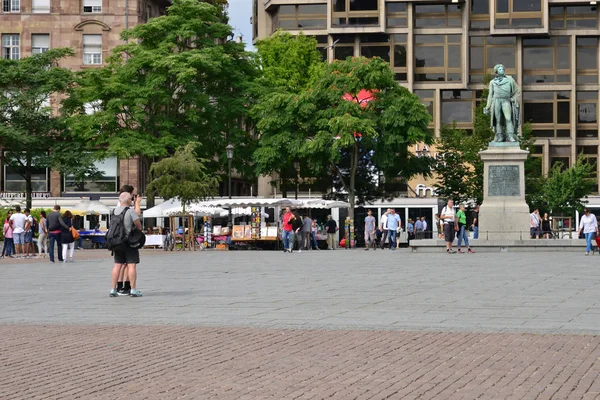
{"type": "Point", "coordinates": [476, 218]}
{"type": "Point", "coordinates": [331, 226]}
{"type": "Point", "coordinates": [297, 224]}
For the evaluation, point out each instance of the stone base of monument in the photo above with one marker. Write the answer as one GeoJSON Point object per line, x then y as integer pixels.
{"type": "Point", "coordinates": [495, 246]}
{"type": "Point", "coordinates": [504, 215]}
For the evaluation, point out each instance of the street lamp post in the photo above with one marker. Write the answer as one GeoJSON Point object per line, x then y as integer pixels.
{"type": "Point", "coordinates": [297, 168]}
{"type": "Point", "coordinates": [229, 150]}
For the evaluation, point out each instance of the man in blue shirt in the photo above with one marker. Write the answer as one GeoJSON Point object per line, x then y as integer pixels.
{"type": "Point", "coordinates": [418, 228]}
{"type": "Point", "coordinates": [393, 223]}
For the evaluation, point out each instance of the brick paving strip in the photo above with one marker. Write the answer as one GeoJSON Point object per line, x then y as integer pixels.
{"type": "Point", "coordinates": [168, 362]}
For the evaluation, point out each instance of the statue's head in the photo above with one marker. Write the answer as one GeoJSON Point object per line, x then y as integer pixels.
{"type": "Point", "coordinates": [499, 69]}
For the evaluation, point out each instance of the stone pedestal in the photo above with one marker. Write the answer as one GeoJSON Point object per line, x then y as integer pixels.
{"type": "Point", "coordinates": [504, 214]}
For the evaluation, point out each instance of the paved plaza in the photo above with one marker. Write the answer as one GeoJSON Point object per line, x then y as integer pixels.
{"type": "Point", "coordinates": [317, 324]}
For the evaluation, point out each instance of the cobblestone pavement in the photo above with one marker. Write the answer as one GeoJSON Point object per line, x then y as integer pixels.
{"type": "Point", "coordinates": [345, 324]}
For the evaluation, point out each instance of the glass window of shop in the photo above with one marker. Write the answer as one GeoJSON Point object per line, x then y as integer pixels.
{"type": "Point", "coordinates": [355, 13]}
{"type": "Point", "coordinates": [102, 180]}
{"type": "Point", "coordinates": [438, 58]}
{"type": "Point", "coordinates": [511, 14]}
{"type": "Point", "coordinates": [573, 17]}
{"type": "Point", "coordinates": [487, 52]}
{"type": "Point", "coordinates": [547, 60]}
{"type": "Point", "coordinates": [15, 182]}
{"type": "Point", "coordinates": [549, 113]}
{"type": "Point", "coordinates": [438, 16]}
{"type": "Point", "coordinates": [480, 15]}
{"type": "Point", "coordinates": [396, 15]}
{"type": "Point", "coordinates": [302, 16]}
{"type": "Point", "coordinates": [587, 60]}
{"type": "Point", "coordinates": [587, 114]}
{"type": "Point", "coordinates": [391, 48]}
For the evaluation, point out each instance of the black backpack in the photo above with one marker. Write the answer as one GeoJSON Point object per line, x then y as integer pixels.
{"type": "Point", "coordinates": [116, 237]}
{"type": "Point", "coordinates": [34, 225]}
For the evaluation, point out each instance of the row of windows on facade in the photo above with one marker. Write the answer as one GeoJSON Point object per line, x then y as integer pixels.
{"type": "Point", "coordinates": [105, 179]}
{"type": "Point", "coordinates": [43, 6]}
{"type": "Point", "coordinates": [509, 14]}
{"type": "Point", "coordinates": [439, 57]}
{"type": "Point", "coordinates": [40, 43]}
{"type": "Point", "coordinates": [548, 112]}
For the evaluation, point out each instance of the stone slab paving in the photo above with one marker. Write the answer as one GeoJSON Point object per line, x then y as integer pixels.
{"type": "Point", "coordinates": [344, 324]}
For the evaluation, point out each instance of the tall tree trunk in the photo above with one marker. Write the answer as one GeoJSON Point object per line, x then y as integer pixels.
{"type": "Point", "coordinates": [28, 189]}
{"type": "Point", "coordinates": [351, 189]}
{"type": "Point", "coordinates": [282, 178]}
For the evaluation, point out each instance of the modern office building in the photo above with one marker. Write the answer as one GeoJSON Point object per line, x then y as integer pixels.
{"type": "Point", "coordinates": [441, 51]}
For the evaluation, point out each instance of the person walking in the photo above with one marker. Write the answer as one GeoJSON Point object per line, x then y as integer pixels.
{"type": "Point", "coordinates": [54, 228]}
{"type": "Point", "coordinates": [66, 236]}
{"type": "Point", "coordinates": [129, 256]}
{"type": "Point", "coordinates": [418, 228]}
{"type": "Point", "coordinates": [19, 221]}
{"type": "Point", "coordinates": [306, 228]}
{"type": "Point", "coordinates": [314, 231]}
{"type": "Point", "coordinates": [589, 225]}
{"type": "Point", "coordinates": [394, 223]}
{"type": "Point", "coordinates": [331, 228]}
{"type": "Point", "coordinates": [475, 223]}
{"type": "Point", "coordinates": [424, 227]}
{"type": "Point", "coordinates": [43, 235]}
{"type": "Point", "coordinates": [8, 237]}
{"type": "Point", "coordinates": [287, 231]}
{"type": "Point", "coordinates": [546, 229]}
{"type": "Point", "coordinates": [370, 225]}
{"type": "Point", "coordinates": [448, 220]}
{"type": "Point", "coordinates": [410, 230]}
{"type": "Point", "coordinates": [534, 224]}
{"type": "Point", "coordinates": [297, 232]}
{"type": "Point", "coordinates": [384, 228]}
{"type": "Point", "coordinates": [461, 217]}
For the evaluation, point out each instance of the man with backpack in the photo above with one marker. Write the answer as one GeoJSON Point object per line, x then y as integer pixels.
{"type": "Point", "coordinates": [124, 220]}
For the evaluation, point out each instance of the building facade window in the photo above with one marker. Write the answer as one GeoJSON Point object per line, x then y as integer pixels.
{"type": "Point", "coordinates": [10, 47]}
{"type": "Point", "coordinates": [343, 46]}
{"type": "Point", "coordinates": [549, 113]}
{"type": "Point", "coordinates": [587, 60]}
{"type": "Point", "coordinates": [590, 154]}
{"type": "Point", "coordinates": [303, 16]}
{"type": "Point", "coordinates": [40, 43]}
{"type": "Point", "coordinates": [104, 180]}
{"type": "Point", "coordinates": [438, 16]}
{"type": "Point", "coordinates": [92, 49]}
{"type": "Point", "coordinates": [322, 46]}
{"type": "Point", "coordinates": [14, 182]}
{"type": "Point", "coordinates": [459, 106]}
{"type": "Point", "coordinates": [547, 60]}
{"type": "Point", "coordinates": [587, 115]}
{"type": "Point", "coordinates": [438, 58]}
{"type": "Point", "coordinates": [40, 6]}
{"type": "Point", "coordinates": [355, 13]}
{"type": "Point", "coordinates": [487, 52]}
{"type": "Point", "coordinates": [518, 14]}
{"type": "Point", "coordinates": [480, 15]}
{"type": "Point", "coordinates": [391, 48]}
{"type": "Point", "coordinates": [573, 17]}
{"type": "Point", "coordinates": [428, 100]}
{"type": "Point", "coordinates": [560, 154]}
{"type": "Point", "coordinates": [92, 6]}
{"type": "Point", "coordinates": [11, 6]}
{"type": "Point", "coordinates": [396, 15]}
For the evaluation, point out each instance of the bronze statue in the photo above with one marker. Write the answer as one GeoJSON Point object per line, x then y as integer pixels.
{"type": "Point", "coordinates": [503, 102]}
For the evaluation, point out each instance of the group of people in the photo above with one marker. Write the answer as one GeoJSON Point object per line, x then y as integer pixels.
{"type": "Point", "coordinates": [19, 228]}
{"type": "Point", "coordinates": [303, 231]}
{"type": "Point", "coordinates": [539, 227]}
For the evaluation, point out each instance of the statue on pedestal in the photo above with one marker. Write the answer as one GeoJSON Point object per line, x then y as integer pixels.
{"type": "Point", "coordinates": [503, 102]}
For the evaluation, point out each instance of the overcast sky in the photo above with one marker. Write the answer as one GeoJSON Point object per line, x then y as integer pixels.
{"type": "Point", "coordinates": [240, 12]}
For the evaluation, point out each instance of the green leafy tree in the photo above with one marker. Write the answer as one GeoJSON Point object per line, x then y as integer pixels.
{"type": "Point", "coordinates": [357, 113]}
{"type": "Point", "coordinates": [288, 63]}
{"type": "Point", "coordinates": [180, 78]}
{"type": "Point", "coordinates": [566, 188]}
{"type": "Point", "coordinates": [182, 176]}
{"type": "Point", "coordinates": [32, 134]}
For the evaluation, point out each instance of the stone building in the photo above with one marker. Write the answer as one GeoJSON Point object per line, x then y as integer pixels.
{"type": "Point", "coordinates": [91, 28]}
{"type": "Point", "coordinates": [442, 49]}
